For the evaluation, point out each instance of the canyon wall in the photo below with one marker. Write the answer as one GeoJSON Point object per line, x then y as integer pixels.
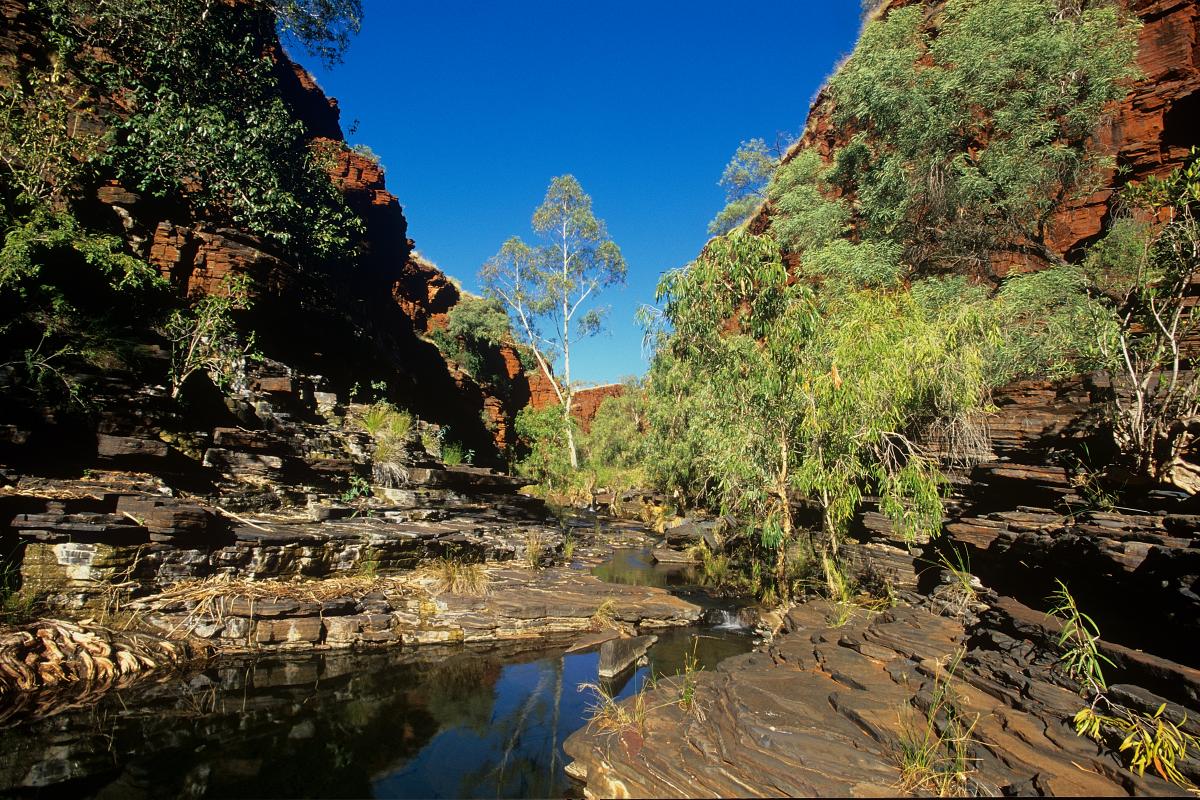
{"type": "Point", "coordinates": [1150, 132]}
{"type": "Point", "coordinates": [361, 321]}
{"type": "Point", "coordinates": [584, 404]}
{"type": "Point", "coordinates": [1029, 511]}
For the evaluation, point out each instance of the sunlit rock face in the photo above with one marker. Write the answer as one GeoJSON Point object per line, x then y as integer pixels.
{"type": "Point", "coordinates": [584, 404]}
{"type": "Point", "coordinates": [1150, 132]}
{"type": "Point", "coordinates": [365, 318]}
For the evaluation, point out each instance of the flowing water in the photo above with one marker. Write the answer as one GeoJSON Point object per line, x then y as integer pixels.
{"type": "Point", "coordinates": [449, 722]}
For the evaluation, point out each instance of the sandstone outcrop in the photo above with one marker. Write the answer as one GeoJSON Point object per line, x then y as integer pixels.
{"type": "Point", "coordinates": [585, 403]}
{"type": "Point", "coordinates": [827, 711]}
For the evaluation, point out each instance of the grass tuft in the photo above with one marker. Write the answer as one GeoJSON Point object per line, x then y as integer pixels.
{"type": "Point", "coordinates": [605, 616]}
{"type": "Point", "coordinates": [535, 548]}
{"type": "Point", "coordinates": [456, 576]}
{"type": "Point", "coordinates": [934, 754]}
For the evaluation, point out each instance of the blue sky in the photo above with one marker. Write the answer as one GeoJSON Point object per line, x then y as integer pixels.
{"type": "Point", "coordinates": [474, 106]}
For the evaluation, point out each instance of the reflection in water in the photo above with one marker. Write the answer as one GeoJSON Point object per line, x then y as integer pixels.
{"type": "Point", "coordinates": [384, 725]}
{"type": "Point", "coordinates": [635, 566]}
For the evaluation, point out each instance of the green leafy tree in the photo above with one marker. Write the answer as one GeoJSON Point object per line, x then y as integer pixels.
{"type": "Point", "coordinates": [553, 284]}
{"type": "Point", "coordinates": [745, 182]}
{"type": "Point", "coordinates": [617, 437]}
{"type": "Point", "coordinates": [1147, 272]}
{"type": "Point", "coordinates": [545, 433]}
{"type": "Point", "coordinates": [768, 390]}
{"type": "Point", "coordinates": [205, 337]}
{"type": "Point", "coordinates": [810, 394]}
{"type": "Point", "coordinates": [44, 142]}
{"type": "Point", "coordinates": [322, 27]}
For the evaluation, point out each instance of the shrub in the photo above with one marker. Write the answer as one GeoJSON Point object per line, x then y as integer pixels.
{"type": "Point", "coordinates": [543, 436]}
{"type": "Point", "coordinates": [458, 576]}
{"type": "Point", "coordinates": [389, 427]}
{"type": "Point", "coordinates": [205, 337]}
{"type": "Point", "coordinates": [745, 181]}
{"type": "Point", "coordinates": [1150, 740]}
{"type": "Point", "coordinates": [475, 327]}
{"type": "Point", "coordinates": [453, 453]}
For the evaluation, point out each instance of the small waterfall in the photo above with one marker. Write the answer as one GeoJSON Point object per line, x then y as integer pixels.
{"type": "Point", "coordinates": [724, 620]}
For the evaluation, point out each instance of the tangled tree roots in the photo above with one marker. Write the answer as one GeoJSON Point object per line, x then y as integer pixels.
{"type": "Point", "coordinates": [52, 653]}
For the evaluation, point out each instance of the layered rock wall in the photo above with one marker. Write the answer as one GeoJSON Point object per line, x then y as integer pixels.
{"type": "Point", "coordinates": [361, 320]}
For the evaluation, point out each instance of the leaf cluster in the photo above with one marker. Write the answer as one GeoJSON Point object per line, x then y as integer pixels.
{"type": "Point", "coordinates": [201, 116]}
{"type": "Point", "coordinates": [970, 131]}
{"type": "Point", "coordinates": [475, 327]}
{"type": "Point", "coordinates": [745, 180]}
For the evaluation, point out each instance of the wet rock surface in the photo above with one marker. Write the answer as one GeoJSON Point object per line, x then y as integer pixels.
{"type": "Point", "coordinates": [823, 711]}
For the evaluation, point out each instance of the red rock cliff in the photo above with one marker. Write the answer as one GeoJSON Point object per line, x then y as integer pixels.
{"type": "Point", "coordinates": [1150, 132]}
{"type": "Point", "coordinates": [584, 404]}
{"type": "Point", "coordinates": [362, 320]}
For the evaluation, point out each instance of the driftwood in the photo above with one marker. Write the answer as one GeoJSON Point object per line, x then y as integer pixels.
{"type": "Point", "coordinates": [50, 654]}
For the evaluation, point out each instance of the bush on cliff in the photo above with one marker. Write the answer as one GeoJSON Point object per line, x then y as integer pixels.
{"type": "Point", "coordinates": [1146, 271]}
{"type": "Point", "coordinates": [766, 389]}
{"type": "Point", "coordinates": [475, 327]}
{"type": "Point", "coordinates": [178, 99]}
{"type": "Point", "coordinates": [202, 121]}
{"type": "Point", "coordinates": [968, 136]}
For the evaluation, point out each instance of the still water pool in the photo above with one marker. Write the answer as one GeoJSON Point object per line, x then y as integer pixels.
{"type": "Point", "coordinates": [425, 723]}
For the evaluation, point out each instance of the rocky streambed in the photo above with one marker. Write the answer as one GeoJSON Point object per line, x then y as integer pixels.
{"type": "Point", "coordinates": [835, 707]}
{"type": "Point", "coordinates": [373, 686]}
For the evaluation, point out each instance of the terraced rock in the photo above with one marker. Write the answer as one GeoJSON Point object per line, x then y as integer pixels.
{"type": "Point", "coordinates": [824, 710]}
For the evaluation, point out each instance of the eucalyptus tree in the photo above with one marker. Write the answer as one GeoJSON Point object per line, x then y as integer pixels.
{"type": "Point", "coordinates": [551, 285]}
{"type": "Point", "coordinates": [745, 180]}
{"type": "Point", "coordinates": [800, 393]}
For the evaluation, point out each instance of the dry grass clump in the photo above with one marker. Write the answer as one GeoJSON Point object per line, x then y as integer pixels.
{"type": "Point", "coordinates": [605, 616]}
{"type": "Point", "coordinates": [535, 547]}
{"type": "Point", "coordinates": [456, 576]}
{"type": "Point", "coordinates": [389, 427]}
{"type": "Point", "coordinates": [607, 715]}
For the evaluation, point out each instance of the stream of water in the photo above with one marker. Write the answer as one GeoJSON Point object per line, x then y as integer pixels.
{"type": "Point", "coordinates": [424, 723]}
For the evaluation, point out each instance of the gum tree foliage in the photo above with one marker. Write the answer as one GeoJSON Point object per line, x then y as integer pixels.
{"type": "Point", "coordinates": [969, 136]}
{"type": "Point", "coordinates": [616, 439]}
{"type": "Point", "coordinates": [322, 27]}
{"type": "Point", "coordinates": [545, 431]}
{"type": "Point", "coordinates": [767, 388]}
{"type": "Point", "coordinates": [1146, 269]}
{"type": "Point", "coordinates": [555, 285]}
{"type": "Point", "coordinates": [813, 394]}
{"type": "Point", "coordinates": [745, 182]}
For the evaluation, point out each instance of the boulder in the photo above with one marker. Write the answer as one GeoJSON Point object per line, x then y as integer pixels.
{"type": "Point", "coordinates": [618, 655]}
